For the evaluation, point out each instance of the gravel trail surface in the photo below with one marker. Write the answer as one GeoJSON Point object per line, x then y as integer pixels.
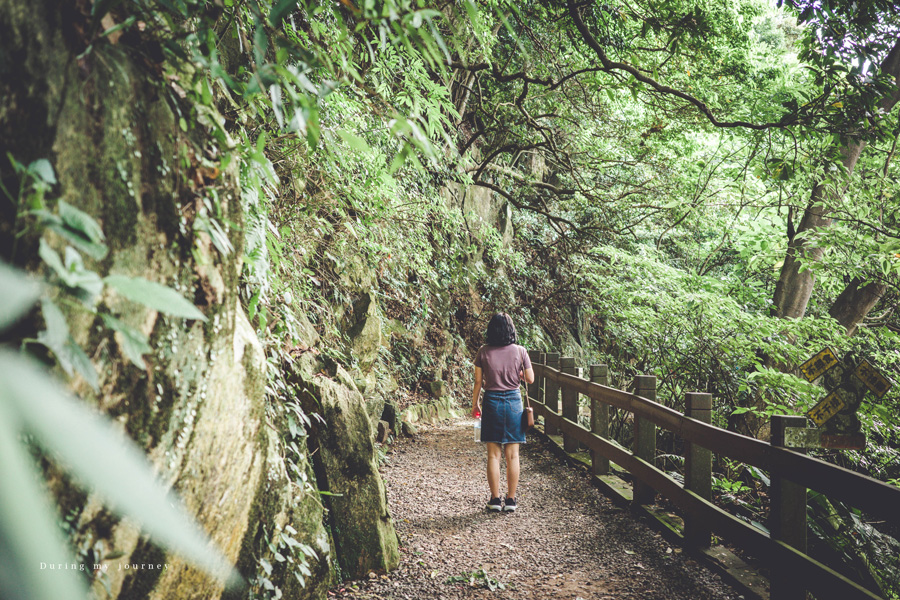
{"type": "Point", "coordinates": [566, 540]}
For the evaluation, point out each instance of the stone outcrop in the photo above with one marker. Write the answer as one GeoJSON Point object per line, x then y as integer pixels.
{"type": "Point", "coordinates": [482, 205]}
{"type": "Point", "coordinates": [365, 331]}
{"type": "Point", "coordinates": [199, 409]}
{"type": "Point", "coordinates": [431, 412]}
{"type": "Point", "coordinates": [346, 469]}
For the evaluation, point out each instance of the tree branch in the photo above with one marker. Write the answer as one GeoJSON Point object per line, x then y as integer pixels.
{"type": "Point", "coordinates": [612, 66]}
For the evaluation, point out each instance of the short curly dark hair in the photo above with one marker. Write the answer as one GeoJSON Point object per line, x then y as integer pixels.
{"type": "Point", "coordinates": [501, 331]}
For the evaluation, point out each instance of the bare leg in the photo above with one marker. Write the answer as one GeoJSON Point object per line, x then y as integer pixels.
{"type": "Point", "coordinates": [493, 468]}
{"type": "Point", "coordinates": [512, 469]}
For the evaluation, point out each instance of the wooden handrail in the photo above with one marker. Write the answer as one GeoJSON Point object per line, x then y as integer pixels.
{"type": "Point", "coordinates": [876, 497]}
{"type": "Point", "coordinates": [745, 535]}
{"type": "Point", "coordinates": [866, 493]}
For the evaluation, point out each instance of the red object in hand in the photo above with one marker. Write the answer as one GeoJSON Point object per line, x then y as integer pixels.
{"type": "Point", "coordinates": [477, 414]}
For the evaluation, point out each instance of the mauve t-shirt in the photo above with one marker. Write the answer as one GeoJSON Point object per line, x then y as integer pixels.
{"type": "Point", "coordinates": [500, 366]}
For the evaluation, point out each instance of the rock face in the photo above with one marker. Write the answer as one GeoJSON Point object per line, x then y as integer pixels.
{"type": "Point", "coordinates": [199, 408]}
{"type": "Point", "coordinates": [437, 389]}
{"type": "Point", "coordinates": [345, 464]}
{"type": "Point", "coordinates": [482, 204]}
{"type": "Point", "coordinates": [431, 412]}
{"type": "Point", "coordinates": [365, 332]}
{"type": "Point", "coordinates": [384, 430]}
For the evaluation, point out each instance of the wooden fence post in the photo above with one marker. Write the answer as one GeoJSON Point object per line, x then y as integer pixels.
{"type": "Point", "coordinates": [600, 419]}
{"type": "Point", "coordinates": [534, 389]}
{"type": "Point", "coordinates": [697, 468]}
{"type": "Point", "coordinates": [541, 383]}
{"type": "Point", "coordinates": [787, 517]}
{"type": "Point", "coordinates": [579, 373]}
{"type": "Point", "coordinates": [644, 438]}
{"type": "Point", "coordinates": [551, 392]}
{"type": "Point", "coordinates": [569, 403]}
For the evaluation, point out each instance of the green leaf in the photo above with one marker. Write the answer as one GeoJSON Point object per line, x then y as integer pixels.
{"type": "Point", "coordinates": [280, 10]}
{"type": "Point", "coordinates": [154, 295]}
{"type": "Point", "coordinates": [57, 331]}
{"type": "Point", "coordinates": [253, 304]}
{"type": "Point", "coordinates": [66, 350]}
{"type": "Point", "coordinates": [29, 536]}
{"type": "Point", "coordinates": [43, 170]}
{"type": "Point", "coordinates": [52, 260]}
{"type": "Point", "coordinates": [93, 249]}
{"type": "Point", "coordinates": [134, 343]}
{"type": "Point", "coordinates": [275, 95]}
{"type": "Point", "coordinates": [355, 142]}
{"type": "Point", "coordinates": [266, 565]}
{"type": "Point", "coordinates": [19, 293]}
{"type": "Point", "coordinates": [81, 229]}
{"type": "Point", "coordinates": [105, 461]}
{"type": "Point", "coordinates": [86, 284]}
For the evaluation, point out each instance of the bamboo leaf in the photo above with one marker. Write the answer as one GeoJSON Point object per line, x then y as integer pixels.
{"type": "Point", "coordinates": [355, 142]}
{"type": "Point", "coordinates": [19, 293]}
{"type": "Point", "coordinates": [134, 343]}
{"type": "Point", "coordinates": [29, 538]}
{"type": "Point", "coordinates": [104, 461]}
{"type": "Point", "coordinates": [154, 295]}
{"type": "Point", "coordinates": [66, 350]}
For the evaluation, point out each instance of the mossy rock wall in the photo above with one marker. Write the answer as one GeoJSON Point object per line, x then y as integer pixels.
{"type": "Point", "coordinates": [107, 124]}
{"type": "Point", "coordinates": [111, 125]}
{"type": "Point", "coordinates": [347, 471]}
{"type": "Point", "coordinates": [432, 412]}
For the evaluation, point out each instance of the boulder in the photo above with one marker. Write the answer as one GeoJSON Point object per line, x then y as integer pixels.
{"type": "Point", "coordinates": [199, 409]}
{"type": "Point", "coordinates": [365, 334]}
{"type": "Point", "coordinates": [384, 430]}
{"type": "Point", "coordinates": [353, 273]}
{"type": "Point", "coordinates": [432, 412]}
{"type": "Point", "coordinates": [390, 414]}
{"type": "Point", "coordinates": [437, 389]}
{"type": "Point", "coordinates": [306, 332]}
{"type": "Point", "coordinates": [408, 429]}
{"type": "Point", "coordinates": [343, 449]}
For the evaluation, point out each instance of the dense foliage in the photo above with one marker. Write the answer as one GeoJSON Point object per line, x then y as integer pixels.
{"type": "Point", "coordinates": [702, 191]}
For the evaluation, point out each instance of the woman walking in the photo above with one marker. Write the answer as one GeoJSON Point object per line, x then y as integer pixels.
{"type": "Point", "coordinates": [499, 367]}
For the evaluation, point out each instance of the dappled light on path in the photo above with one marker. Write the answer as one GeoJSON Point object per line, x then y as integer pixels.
{"type": "Point", "coordinates": [566, 540]}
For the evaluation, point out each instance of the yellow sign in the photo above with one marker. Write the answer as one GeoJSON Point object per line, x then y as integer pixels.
{"type": "Point", "coordinates": [818, 364]}
{"type": "Point", "coordinates": [877, 383]}
{"type": "Point", "coordinates": [827, 408]}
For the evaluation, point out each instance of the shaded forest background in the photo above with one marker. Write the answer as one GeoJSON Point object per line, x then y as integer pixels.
{"type": "Point", "coordinates": [702, 191]}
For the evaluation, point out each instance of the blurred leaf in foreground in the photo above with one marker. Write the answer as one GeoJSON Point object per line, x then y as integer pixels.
{"type": "Point", "coordinates": [100, 458]}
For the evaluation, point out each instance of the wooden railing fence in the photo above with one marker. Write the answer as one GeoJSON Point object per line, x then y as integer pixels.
{"type": "Point", "coordinates": [792, 472]}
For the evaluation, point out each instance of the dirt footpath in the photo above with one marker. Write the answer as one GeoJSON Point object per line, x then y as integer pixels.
{"type": "Point", "coordinates": [566, 540]}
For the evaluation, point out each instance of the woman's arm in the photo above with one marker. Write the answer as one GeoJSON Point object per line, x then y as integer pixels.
{"type": "Point", "coordinates": [526, 374]}
{"type": "Point", "coordinates": [476, 391]}
{"type": "Point", "coordinates": [529, 376]}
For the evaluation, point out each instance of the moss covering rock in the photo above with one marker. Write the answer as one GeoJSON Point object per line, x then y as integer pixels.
{"type": "Point", "coordinates": [346, 468]}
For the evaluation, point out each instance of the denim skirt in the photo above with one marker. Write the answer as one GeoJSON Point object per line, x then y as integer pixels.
{"type": "Point", "coordinates": [501, 418]}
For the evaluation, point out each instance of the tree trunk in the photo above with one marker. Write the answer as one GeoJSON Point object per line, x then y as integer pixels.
{"type": "Point", "coordinates": [855, 302]}
{"type": "Point", "coordinates": [794, 287]}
